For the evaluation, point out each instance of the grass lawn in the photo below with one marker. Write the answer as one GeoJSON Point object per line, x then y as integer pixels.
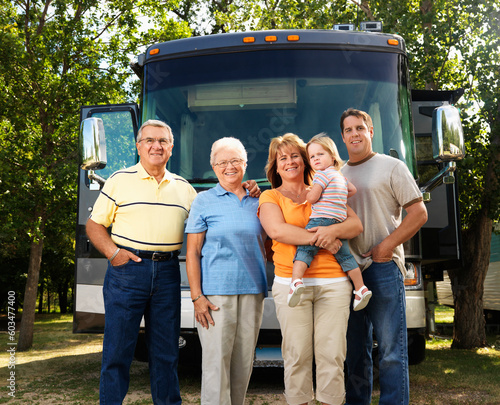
{"type": "Point", "coordinates": [456, 376]}
{"type": "Point", "coordinates": [444, 314]}
{"type": "Point", "coordinates": [63, 368]}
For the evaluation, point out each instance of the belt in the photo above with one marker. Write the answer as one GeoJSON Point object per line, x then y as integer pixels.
{"type": "Point", "coordinates": [158, 256]}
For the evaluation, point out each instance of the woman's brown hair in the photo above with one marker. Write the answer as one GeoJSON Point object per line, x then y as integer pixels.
{"type": "Point", "coordinates": [279, 143]}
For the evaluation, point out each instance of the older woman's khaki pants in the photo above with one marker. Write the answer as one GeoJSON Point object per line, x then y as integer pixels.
{"type": "Point", "coordinates": [228, 348]}
{"type": "Point", "coordinates": [315, 328]}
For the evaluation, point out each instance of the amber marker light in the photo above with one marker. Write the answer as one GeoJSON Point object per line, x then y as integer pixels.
{"type": "Point", "coordinates": [248, 40]}
{"type": "Point", "coordinates": [411, 281]}
{"type": "Point", "coordinates": [293, 38]}
{"type": "Point", "coordinates": [394, 42]}
{"type": "Point", "coordinates": [154, 51]}
{"type": "Point", "coordinates": [271, 38]}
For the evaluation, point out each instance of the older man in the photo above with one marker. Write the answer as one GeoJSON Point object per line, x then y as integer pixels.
{"type": "Point", "coordinates": [385, 187]}
{"type": "Point", "coordinates": [147, 206]}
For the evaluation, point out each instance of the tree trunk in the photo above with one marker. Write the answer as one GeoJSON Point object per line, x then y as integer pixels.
{"type": "Point", "coordinates": [468, 282]}
{"type": "Point", "coordinates": [62, 291]}
{"type": "Point", "coordinates": [30, 294]}
{"type": "Point", "coordinates": [40, 299]}
{"type": "Point", "coordinates": [468, 285]}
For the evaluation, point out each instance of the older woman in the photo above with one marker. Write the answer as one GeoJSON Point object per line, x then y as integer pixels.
{"type": "Point", "coordinates": [226, 268]}
{"type": "Point", "coordinates": [316, 328]}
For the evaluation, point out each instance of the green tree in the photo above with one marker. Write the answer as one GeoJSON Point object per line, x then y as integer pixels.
{"type": "Point", "coordinates": [58, 55]}
{"type": "Point", "coordinates": [215, 17]}
{"type": "Point", "coordinates": [480, 172]}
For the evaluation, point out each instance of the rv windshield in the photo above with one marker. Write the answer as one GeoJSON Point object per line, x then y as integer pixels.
{"type": "Point", "coordinates": [255, 96]}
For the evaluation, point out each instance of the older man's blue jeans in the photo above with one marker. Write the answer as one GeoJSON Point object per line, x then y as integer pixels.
{"type": "Point", "coordinates": [385, 315]}
{"type": "Point", "coordinates": [152, 289]}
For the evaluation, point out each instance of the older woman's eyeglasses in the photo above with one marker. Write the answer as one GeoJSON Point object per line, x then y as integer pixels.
{"type": "Point", "coordinates": [234, 162]}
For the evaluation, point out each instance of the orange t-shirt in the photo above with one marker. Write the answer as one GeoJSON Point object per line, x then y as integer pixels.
{"type": "Point", "coordinates": [324, 264]}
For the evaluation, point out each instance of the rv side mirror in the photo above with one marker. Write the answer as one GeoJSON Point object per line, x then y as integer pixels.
{"type": "Point", "coordinates": [447, 134]}
{"type": "Point", "coordinates": [92, 144]}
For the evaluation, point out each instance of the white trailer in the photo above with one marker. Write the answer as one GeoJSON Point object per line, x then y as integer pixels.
{"type": "Point", "coordinates": [491, 293]}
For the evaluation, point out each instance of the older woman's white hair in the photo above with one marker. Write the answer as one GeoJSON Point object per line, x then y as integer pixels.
{"type": "Point", "coordinates": [227, 143]}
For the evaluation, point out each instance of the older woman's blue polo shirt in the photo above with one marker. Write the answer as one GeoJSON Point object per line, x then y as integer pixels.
{"type": "Point", "coordinates": [233, 254]}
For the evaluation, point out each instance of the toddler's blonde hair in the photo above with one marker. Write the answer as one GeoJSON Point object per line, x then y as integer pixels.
{"type": "Point", "coordinates": [327, 143]}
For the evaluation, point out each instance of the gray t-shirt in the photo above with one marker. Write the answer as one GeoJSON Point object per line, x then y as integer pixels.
{"type": "Point", "coordinates": [384, 186]}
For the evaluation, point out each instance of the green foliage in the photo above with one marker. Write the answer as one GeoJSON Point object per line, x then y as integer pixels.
{"type": "Point", "coordinates": [456, 44]}
{"type": "Point", "coordinates": [482, 57]}
{"type": "Point", "coordinates": [209, 17]}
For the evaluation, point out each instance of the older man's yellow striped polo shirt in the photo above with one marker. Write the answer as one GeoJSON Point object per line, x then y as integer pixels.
{"type": "Point", "coordinates": [144, 215]}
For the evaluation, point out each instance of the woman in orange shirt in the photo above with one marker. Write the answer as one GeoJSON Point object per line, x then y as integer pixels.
{"type": "Point", "coordinates": [316, 328]}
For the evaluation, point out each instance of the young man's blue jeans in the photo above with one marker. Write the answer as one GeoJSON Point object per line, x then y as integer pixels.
{"type": "Point", "coordinates": [149, 288]}
{"type": "Point", "coordinates": [386, 316]}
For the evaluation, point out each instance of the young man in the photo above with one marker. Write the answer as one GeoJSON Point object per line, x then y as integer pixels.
{"type": "Point", "coordinates": [385, 187]}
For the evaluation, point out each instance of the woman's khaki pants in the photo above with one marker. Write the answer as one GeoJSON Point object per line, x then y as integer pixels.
{"type": "Point", "coordinates": [316, 328]}
{"type": "Point", "coordinates": [228, 348]}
